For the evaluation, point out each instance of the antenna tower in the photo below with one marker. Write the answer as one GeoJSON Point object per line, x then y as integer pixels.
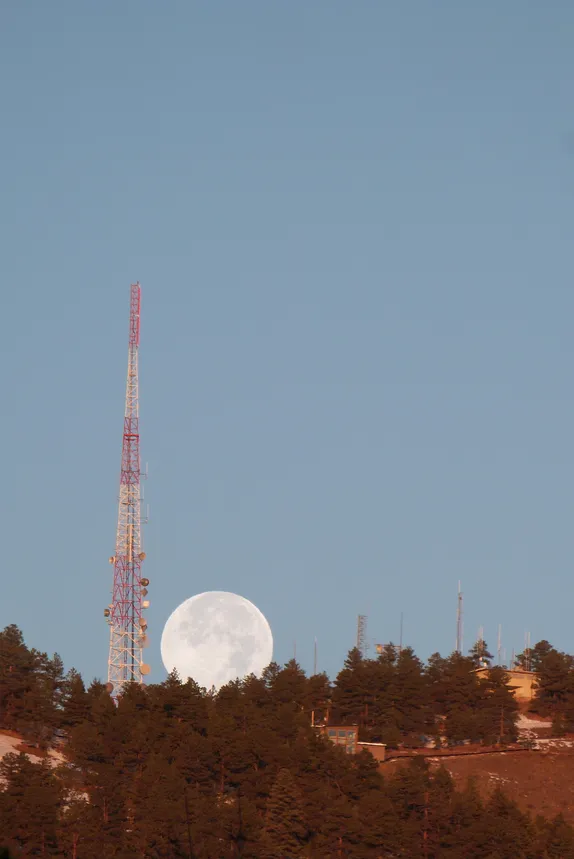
{"type": "Point", "coordinates": [362, 634]}
{"type": "Point", "coordinates": [459, 621]}
{"type": "Point", "coordinates": [125, 612]}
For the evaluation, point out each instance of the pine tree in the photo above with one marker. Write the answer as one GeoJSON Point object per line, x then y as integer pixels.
{"type": "Point", "coordinates": [497, 710]}
{"type": "Point", "coordinates": [318, 698]}
{"type": "Point", "coordinates": [410, 692]}
{"type": "Point", "coordinates": [438, 830]}
{"type": "Point", "coordinates": [466, 816]}
{"type": "Point", "coordinates": [288, 697]}
{"type": "Point", "coordinates": [350, 692]}
{"type": "Point", "coordinates": [379, 829]}
{"type": "Point", "coordinates": [285, 830]}
{"type": "Point", "coordinates": [532, 658]}
{"type": "Point", "coordinates": [29, 805]}
{"type": "Point", "coordinates": [338, 828]}
{"type": "Point", "coordinates": [503, 830]}
{"type": "Point", "coordinates": [408, 791]}
{"type": "Point", "coordinates": [75, 702]}
{"type": "Point", "coordinates": [80, 829]}
{"type": "Point", "coordinates": [480, 654]}
{"type": "Point", "coordinates": [555, 683]}
{"type": "Point", "coordinates": [559, 839]}
{"type": "Point", "coordinates": [16, 677]}
{"type": "Point", "coordinates": [460, 693]}
{"type": "Point", "coordinates": [157, 819]}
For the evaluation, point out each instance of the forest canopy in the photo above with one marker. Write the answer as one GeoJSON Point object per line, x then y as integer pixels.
{"type": "Point", "coordinates": [174, 770]}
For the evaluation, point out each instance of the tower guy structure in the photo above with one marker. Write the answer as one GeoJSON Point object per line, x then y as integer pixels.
{"type": "Point", "coordinates": [125, 613]}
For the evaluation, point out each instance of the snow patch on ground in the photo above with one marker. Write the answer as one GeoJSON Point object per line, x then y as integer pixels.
{"type": "Point", "coordinates": [8, 746]}
{"type": "Point", "coordinates": [524, 723]}
{"type": "Point", "coordinates": [554, 744]}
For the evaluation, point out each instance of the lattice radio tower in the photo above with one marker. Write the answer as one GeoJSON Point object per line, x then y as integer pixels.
{"type": "Point", "coordinates": [362, 643]}
{"type": "Point", "coordinates": [125, 613]}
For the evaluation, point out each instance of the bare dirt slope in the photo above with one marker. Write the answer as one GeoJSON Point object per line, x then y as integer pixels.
{"type": "Point", "coordinates": [540, 782]}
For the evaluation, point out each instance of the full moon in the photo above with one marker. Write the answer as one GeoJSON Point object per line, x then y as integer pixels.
{"type": "Point", "coordinates": [216, 637]}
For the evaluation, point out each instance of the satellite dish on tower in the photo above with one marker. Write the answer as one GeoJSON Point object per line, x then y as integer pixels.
{"type": "Point", "coordinates": [145, 669]}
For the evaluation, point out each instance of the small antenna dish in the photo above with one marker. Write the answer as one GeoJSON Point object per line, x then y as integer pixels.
{"type": "Point", "coordinates": [144, 641]}
{"type": "Point", "coordinates": [145, 669]}
{"type": "Point", "coordinates": [142, 556]}
{"type": "Point", "coordinates": [145, 582]}
{"type": "Point", "coordinates": [145, 604]}
{"type": "Point", "coordinates": [112, 559]}
{"type": "Point", "coordinates": [144, 592]}
{"type": "Point", "coordinates": [109, 688]}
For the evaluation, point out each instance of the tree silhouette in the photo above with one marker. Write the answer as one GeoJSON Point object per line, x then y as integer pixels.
{"type": "Point", "coordinates": [285, 830]}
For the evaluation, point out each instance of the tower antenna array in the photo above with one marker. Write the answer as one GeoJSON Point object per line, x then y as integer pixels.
{"type": "Point", "coordinates": [125, 612]}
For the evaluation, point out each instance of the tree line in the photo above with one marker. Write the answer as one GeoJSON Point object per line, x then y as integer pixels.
{"type": "Point", "coordinates": [174, 770]}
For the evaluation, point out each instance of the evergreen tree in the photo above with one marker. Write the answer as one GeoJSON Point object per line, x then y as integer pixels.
{"type": "Point", "coordinates": [157, 819]}
{"type": "Point", "coordinates": [559, 839]}
{"type": "Point", "coordinates": [438, 830]}
{"type": "Point", "coordinates": [555, 683]}
{"type": "Point", "coordinates": [531, 659]}
{"type": "Point", "coordinates": [459, 693]}
{"type": "Point", "coordinates": [349, 691]}
{"type": "Point", "coordinates": [379, 829]}
{"type": "Point", "coordinates": [29, 806]}
{"type": "Point", "coordinates": [173, 771]}
{"type": "Point", "coordinates": [16, 677]}
{"type": "Point", "coordinates": [480, 654]}
{"type": "Point", "coordinates": [497, 713]}
{"type": "Point", "coordinates": [466, 817]}
{"type": "Point", "coordinates": [409, 688]}
{"type": "Point", "coordinates": [285, 830]}
{"type": "Point", "coordinates": [408, 791]}
{"type": "Point", "coordinates": [75, 702]}
{"type": "Point", "coordinates": [318, 698]}
{"type": "Point", "coordinates": [503, 831]}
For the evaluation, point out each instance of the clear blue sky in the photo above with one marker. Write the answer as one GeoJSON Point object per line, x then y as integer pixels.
{"type": "Point", "coordinates": [352, 222]}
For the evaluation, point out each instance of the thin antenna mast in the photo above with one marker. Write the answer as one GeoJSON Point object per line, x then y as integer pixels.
{"type": "Point", "coordinates": [459, 621]}
{"type": "Point", "coordinates": [125, 618]}
{"type": "Point", "coordinates": [499, 644]}
{"type": "Point", "coordinates": [362, 634]}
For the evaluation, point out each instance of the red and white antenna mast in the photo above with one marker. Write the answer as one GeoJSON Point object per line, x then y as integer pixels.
{"type": "Point", "coordinates": [125, 614]}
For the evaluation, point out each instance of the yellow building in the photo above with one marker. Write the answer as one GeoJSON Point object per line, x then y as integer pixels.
{"type": "Point", "coordinates": [522, 683]}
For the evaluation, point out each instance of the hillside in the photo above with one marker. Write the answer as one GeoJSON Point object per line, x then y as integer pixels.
{"type": "Point", "coordinates": [170, 770]}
